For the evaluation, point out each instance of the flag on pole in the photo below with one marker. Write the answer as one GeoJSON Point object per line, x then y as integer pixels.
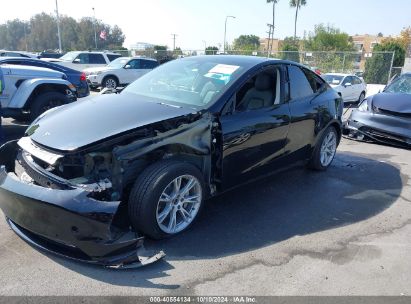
{"type": "Point", "coordinates": [103, 35]}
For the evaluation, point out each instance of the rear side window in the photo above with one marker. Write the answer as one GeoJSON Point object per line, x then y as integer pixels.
{"type": "Point", "coordinates": [300, 87]}
{"type": "Point", "coordinates": [148, 64]}
{"type": "Point", "coordinates": [357, 80]}
{"type": "Point", "coordinates": [317, 84]}
{"type": "Point", "coordinates": [96, 59]}
{"type": "Point", "coordinates": [112, 57]}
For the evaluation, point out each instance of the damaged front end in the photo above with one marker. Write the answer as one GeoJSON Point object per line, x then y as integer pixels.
{"type": "Point", "coordinates": [372, 121]}
{"type": "Point", "coordinates": [72, 217]}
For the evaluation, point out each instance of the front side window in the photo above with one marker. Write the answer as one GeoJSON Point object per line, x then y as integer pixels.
{"type": "Point", "coordinates": [134, 64]}
{"type": "Point", "coordinates": [299, 85]}
{"type": "Point", "coordinates": [259, 92]}
{"type": "Point", "coordinates": [82, 59]}
{"type": "Point", "coordinates": [189, 82]}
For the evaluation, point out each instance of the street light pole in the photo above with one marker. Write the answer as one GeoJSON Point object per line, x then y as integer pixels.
{"type": "Point", "coordinates": [95, 31]}
{"type": "Point", "coordinates": [58, 26]}
{"type": "Point", "coordinates": [225, 31]}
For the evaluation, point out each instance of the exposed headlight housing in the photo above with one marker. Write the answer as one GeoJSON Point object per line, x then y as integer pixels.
{"type": "Point", "coordinates": [363, 107]}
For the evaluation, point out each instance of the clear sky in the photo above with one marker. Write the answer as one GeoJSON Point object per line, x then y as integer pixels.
{"type": "Point", "coordinates": [195, 21]}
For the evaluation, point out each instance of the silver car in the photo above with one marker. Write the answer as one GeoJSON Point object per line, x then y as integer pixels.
{"type": "Point", "coordinates": [120, 72]}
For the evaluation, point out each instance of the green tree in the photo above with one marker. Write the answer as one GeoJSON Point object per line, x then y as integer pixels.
{"type": "Point", "coordinates": [290, 49]}
{"type": "Point", "coordinates": [377, 68]}
{"type": "Point", "coordinates": [247, 43]}
{"type": "Point", "coordinates": [274, 2]}
{"type": "Point", "coordinates": [211, 50]}
{"type": "Point", "coordinates": [43, 33]}
{"type": "Point", "coordinates": [328, 38]}
{"type": "Point", "coordinates": [297, 4]}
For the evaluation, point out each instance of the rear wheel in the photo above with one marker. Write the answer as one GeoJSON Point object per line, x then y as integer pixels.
{"type": "Point", "coordinates": [166, 199]}
{"type": "Point", "coordinates": [361, 98]}
{"type": "Point", "coordinates": [46, 101]}
{"type": "Point", "coordinates": [325, 150]}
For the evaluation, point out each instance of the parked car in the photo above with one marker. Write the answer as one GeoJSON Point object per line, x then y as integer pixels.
{"type": "Point", "coordinates": [78, 79]}
{"type": "Point", "coordinates": [119, 72]}
{"type": "Point", "coordinates": [147, 158]}
{"type": "Point", "coordinates": [30, 91]}
{"type": "Point", "coordinates": [350, 87]}
{"type": "Point", "coordinates": [53, 55]}
{"type": "Point", "coordinates": [4, 53]}
{"type": "Point", "coordinates": [83, 60]}
{"type": "Point", "coordinates": [384, 117]}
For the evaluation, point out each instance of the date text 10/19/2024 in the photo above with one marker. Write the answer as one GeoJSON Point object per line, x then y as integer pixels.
{"type": "Point", "coordinates": [205, 299]}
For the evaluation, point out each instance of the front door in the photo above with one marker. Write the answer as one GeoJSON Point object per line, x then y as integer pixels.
{"type": "Point", "coordinates": [255, 131]}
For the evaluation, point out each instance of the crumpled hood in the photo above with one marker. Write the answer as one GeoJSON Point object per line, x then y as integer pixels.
{"type": "Point", "coordinates": [82, 123]}
{"type": "Point", "coordinates": [393, 102]}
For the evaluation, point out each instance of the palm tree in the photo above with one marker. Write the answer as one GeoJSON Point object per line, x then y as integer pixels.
{"type": "Point", "coordinates": [297, 4]}
{"type": "Point", "coordinates": [274, 3]}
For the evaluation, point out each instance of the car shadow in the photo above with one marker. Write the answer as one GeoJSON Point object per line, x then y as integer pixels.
{"type": "Point", "coordinates": [14, 129]}
{"type": "Point", "coordinates": [296, 202]}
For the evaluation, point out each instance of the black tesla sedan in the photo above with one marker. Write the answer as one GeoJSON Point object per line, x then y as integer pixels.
{"type": "Point", "coordinates": [89, 178]}
{"type": "Point", "coordinates": [386, 116]}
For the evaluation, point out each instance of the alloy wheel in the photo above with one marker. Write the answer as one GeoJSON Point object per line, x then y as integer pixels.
{"type": "Point", "coordinates": [179, 204]}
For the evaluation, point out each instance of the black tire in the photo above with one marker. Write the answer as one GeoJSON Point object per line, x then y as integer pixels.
{"type": "Point", "coordinates": [46, 101]}
{"type": "Point", "coordinates": [145, 194]}
{"type": "Point", "coordinates": [315, 161]}
{"type": "Point", "coordinates": [110, 82]}
{"type": "Point", "coordinates": [361, 98]}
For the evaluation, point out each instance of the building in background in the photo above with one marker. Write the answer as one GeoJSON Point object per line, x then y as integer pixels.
{"type": "Point", "coordinates": [141, 46]}
{"type": "Point", "coordinates": [264, 45]}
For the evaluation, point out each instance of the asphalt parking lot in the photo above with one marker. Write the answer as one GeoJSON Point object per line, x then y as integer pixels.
{"type": "Point", "coordinates": [341, 232]}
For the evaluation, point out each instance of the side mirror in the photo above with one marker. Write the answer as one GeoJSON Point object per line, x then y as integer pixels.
{"type": "Point", "coordinates": [127, 66]}
{"type": "Point", "coordinates": [348, 84]}
{"type": "Point", "coordinates": [77, 60]}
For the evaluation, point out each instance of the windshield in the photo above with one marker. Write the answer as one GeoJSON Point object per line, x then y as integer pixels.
{"type": "Point", "coordinates": [333, 79]}
{"type": "Point", "coordinates": [187, 82]}
{"type": "Point", "coordinates": [70, 56]}
{"type": "Point", "coordinates": [118, 63]}
{"type": "Point", "coordinates": [400, 85]}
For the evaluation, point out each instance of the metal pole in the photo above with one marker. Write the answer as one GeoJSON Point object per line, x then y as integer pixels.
{"type": "Point", "coordinates": [25, 36]}
{"type": "Point", "coordinates": [272, 33]}
{"type": "Point", "coordinates": [95, 31]}
{"type": "Point", "coordinates": [58, 27]}
{"type": "Point", "coordinates": [392, 64]}
{"type": "Point", "coordinates": [343, 64]}
{"type": "Point", "coordinates": [225, 31]}
{"type": "Point", "coordinates": [174, 41]}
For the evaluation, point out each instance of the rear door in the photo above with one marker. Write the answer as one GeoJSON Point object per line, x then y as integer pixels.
{"type": "Point", "coordinates": [348, 90]}
{"type": "Point", "coordinates": [307, 105]}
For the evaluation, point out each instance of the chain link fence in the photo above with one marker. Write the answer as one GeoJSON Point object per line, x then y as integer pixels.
{"type": "Point", "coordinates": [374, 67]}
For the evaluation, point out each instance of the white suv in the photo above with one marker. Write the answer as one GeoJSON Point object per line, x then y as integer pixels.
{"type": "Point", "coordinates": [120, 72]}
{"type": "Point", "coordinates": [83, 60]}
{"type": "Point", "coordinates": [350, 87]}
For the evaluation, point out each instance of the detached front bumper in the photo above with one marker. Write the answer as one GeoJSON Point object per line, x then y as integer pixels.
{"type": "Point", "coordinates": [387, 129]}
{"type": "Point", "coordinates": [67, 222]}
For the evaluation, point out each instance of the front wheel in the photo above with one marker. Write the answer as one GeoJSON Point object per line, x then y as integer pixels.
{"type": "Point", "coordinates": [46, 101]}
{"type": "Point", "coordinates": [325, 150]}
{"type": "Point", "coordinates": [166, 199]}
{"type": "Point", "coordinates": [110, 82]}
